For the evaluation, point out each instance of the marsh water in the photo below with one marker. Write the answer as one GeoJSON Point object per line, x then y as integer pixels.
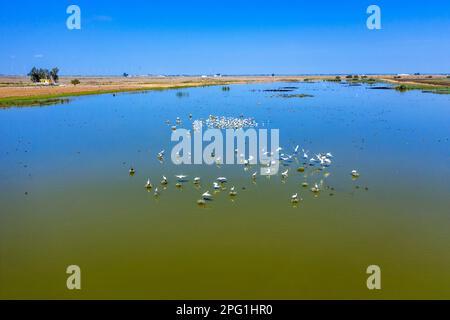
{"type": "Point", "coordinates": [66, 198]}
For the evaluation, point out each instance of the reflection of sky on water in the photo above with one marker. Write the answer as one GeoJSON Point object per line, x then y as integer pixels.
{"type": "Point", "coordinates": [82, 205]}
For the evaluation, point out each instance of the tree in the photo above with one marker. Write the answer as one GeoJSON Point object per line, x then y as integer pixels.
{"type": "Point", "coordinates": [75, 82]}
{"type": "Point", "coordinates": [36, 75]}
{"type": "Point", "coordinates": [125, 74]}
{"type": "Point", "coordinates": [54, 74]}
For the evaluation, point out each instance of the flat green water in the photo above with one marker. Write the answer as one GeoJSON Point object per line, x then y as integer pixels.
{"type": "Point", "coordinates": [66, 198]}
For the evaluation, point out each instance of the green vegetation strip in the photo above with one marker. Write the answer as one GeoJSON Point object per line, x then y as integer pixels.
{"type": "Point", "coordinates": [31, 101]}
{"type": "Point", "coordinates": [424, 88]}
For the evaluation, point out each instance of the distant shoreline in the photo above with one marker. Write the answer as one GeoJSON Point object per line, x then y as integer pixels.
{"type": "Point", "coordinates": [20, 91]}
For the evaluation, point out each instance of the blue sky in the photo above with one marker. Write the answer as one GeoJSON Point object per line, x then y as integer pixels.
{"type": "Point", "coordinates": [229, 37]}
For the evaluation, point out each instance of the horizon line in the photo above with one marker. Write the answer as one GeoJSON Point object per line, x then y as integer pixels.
{"type": "Point", "coordinates": [236, 75]}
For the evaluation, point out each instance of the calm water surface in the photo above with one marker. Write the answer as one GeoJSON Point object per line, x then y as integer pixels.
{"type": "Point", "coordinates": [66, 198]}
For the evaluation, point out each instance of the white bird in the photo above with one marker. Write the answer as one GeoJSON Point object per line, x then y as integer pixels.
{"type": "Point", "coordinates": [232, 191]}
{"type": "Point", "coordinates": [278, 149]}
{"type": "Point", "coordinates": [156, 193]}
{"type": "Point", "coordinates": [206, 195]}
{"type": "Point", "coordinates": [221, 179]}
{"type": "Point", "coordinates": [197, 180]}
{"type": "Point", "coordinates": [294, 198]}
{"type": "Point", "coordinates": [248, 161]}
{"type": "Point", "coordinates": [355, 174]}
{"type": "Point", "coordinates": [254, 175]}
{"type": "Point", "coordinates": [148, 185]}
{"type": "Point", "coordinates": [164, 180]}
{"type": "Point", "coordinates": [216, 186]}
{"type": "Point", "coordinates": [324, 161]}
{"type": "Point", "coordinates": [315, 189]}
{"type": "Point", "coordinates": [284, 174]}
{"type": "Point", "coordinates": [329, 155]}
{"type": "Point", "coordinates": [131, 171]}
{"type": "Point", "coordinates": [181, 177]}
{"type": "Point", "coordinates": [296, 149]}
{"type": "Point", "coordinates": [305, 154]}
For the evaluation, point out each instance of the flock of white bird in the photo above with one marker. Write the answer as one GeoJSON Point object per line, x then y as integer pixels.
{"type": "Point", "coordinates": [320, 160]}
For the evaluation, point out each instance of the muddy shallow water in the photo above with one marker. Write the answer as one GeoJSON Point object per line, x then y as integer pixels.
{"type": "Point", "coordinates": [66, 198]}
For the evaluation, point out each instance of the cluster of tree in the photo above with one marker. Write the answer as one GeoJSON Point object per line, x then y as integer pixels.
{"type": "Point", "coordinates": [37, 75]}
